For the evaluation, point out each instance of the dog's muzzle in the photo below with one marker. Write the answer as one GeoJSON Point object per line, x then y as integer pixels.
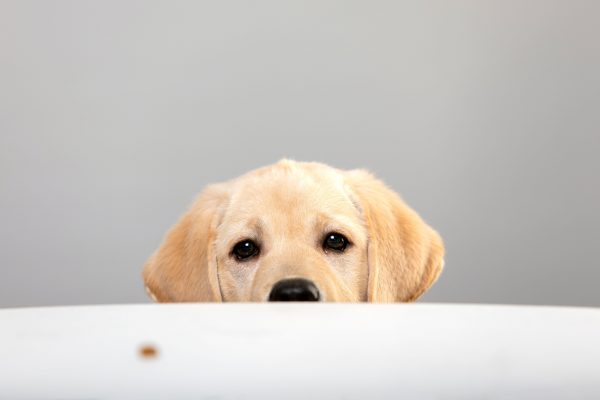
{"type": "Point", "coordinates": [296, 289]}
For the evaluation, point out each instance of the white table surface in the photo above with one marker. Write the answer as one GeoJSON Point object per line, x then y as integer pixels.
{"type": "Point", "coordinates": [300, 351]}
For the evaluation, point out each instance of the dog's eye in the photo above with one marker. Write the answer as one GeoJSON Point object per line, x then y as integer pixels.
{"type": "Point", "coordinates": [335, 241]}
{"type": "Point", "coordinates": [245, 249]}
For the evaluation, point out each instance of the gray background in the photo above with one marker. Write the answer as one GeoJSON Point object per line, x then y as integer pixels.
{"type": "Point", "coordinates": [484, 115]}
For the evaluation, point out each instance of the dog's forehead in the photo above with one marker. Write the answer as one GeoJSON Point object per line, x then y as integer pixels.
{"type": "Point", "coordinates": [291, 189]}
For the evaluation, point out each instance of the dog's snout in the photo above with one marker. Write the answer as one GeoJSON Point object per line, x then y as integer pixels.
{"type": "Point", "coordinates": [294, 290]}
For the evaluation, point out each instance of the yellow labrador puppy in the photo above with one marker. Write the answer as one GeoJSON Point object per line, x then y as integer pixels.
{"type": "Point", "coordinates": [296, 231]}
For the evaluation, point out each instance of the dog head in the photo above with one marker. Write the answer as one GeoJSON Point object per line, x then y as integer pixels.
{"type": "Point", "coordinates": [297, 232]}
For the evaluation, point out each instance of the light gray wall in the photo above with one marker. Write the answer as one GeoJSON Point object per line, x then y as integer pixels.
{"type": "Point", "coordinates": [485, 116]}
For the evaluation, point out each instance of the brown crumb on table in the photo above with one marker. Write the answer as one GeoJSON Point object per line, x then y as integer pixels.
{"type": "Point", "coordinates": [148, 351]}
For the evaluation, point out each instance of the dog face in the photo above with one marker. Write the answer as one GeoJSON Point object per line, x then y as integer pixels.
{"type": "Point", "coordinates": [296, 232]}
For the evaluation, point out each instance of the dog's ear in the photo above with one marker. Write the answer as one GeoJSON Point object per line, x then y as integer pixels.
{"type": "Point", "coordinates": [184, 269]}
{"type": "Point", "coordinates": [405, 255]}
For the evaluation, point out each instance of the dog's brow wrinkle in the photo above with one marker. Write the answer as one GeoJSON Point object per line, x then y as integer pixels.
{"type": "Point", "coordinates": [350, 196]}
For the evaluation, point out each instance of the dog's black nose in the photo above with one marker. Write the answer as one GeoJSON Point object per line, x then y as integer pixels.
{"type": "Point", "coordinates": [294, 290]}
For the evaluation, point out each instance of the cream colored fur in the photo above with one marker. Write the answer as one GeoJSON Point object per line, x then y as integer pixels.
{"type": "Point", "coordinates": [288, 208]}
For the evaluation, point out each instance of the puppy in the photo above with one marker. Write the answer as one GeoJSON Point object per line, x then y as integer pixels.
{"type": "Point", "coordinates": [296, 231]}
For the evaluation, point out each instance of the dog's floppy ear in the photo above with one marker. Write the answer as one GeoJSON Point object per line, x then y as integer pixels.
{"type": "Point", "coordinates": [184, 269]}
{"type": "Point", "coordinates": [405, 255]}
